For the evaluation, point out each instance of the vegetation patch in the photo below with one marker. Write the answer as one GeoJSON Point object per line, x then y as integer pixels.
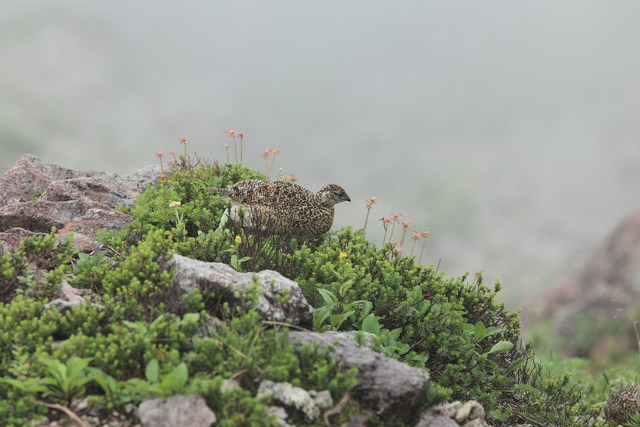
{"type": "Point", "coordinates": [124, 345]}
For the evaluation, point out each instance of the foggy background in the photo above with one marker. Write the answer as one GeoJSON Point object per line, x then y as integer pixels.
{"type": "Point", "coordinates": [508, 129]}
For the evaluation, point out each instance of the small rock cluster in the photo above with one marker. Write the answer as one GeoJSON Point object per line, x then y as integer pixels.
{"type": "Point", "coordinates": [308, 403]}
{"type": "Point", "coordinates": [468, 414]}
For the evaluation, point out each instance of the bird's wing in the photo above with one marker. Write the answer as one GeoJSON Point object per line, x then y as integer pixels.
{"type": "Point", "coordinates": [271, 194]}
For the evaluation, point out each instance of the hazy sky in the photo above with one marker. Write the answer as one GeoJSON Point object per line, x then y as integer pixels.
{"type": "Point", "coordinates": [507, 128]}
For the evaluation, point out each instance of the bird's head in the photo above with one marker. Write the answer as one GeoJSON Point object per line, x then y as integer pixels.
{"type": "Point", "coordinates": [332, 194]}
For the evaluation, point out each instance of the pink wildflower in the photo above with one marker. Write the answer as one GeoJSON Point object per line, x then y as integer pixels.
{"type": "Point", "coordinates": [406, 223]}
{"type": "Point", "coordinates": [370, 202]}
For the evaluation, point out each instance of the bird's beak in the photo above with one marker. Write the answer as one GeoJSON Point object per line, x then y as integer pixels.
{"type": "Point", "coordinates": [346, 198]}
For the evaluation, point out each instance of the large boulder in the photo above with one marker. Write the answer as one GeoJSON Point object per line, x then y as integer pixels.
{"type": "Point", "coordinates": [280, 299]}
{"type": "Point", "coordinates": [30, 176]}
{"type": "Point", "coordinates": [388, 388]}
{"type": "Point", "coordinates": [36, 196]}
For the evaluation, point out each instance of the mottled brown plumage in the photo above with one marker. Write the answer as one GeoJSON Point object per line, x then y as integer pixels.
{"type": "Point", "coordinates": [623, 404]}
{"type": "Point", "coordinates": [281, 207]}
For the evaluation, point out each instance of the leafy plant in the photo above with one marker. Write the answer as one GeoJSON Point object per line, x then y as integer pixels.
{"type": "Point", "coordinates": [91, 269]}
{"type": "Point", "coordinates": [161, 385]}
{"type": "Point", "coordinates": [336, 309]}
{"type": "Point", "coordinates": [60, 382]}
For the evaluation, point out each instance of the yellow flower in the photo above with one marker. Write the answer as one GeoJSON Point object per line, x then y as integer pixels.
{"type": "Point", "coordinates": [238, 240]}
{"type": "Point", "coordinates": [343, 254]}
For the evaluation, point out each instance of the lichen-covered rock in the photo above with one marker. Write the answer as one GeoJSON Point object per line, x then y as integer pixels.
{"type": "Point", "coordinates": [281, 416]}
{"type": "Point", "coordinates": [431, 420]}
{"type": "Point", "coordinates": [386, 387]}
{"type": "Point", "coordinates": [476, 422]}
{"type": "Point", "coordinates": [230, 285]}
{"type": "Point", "coordinates": [288, 395]}
{"type": "Point", "coordinates": [322, 398]}
{"type": "Point", "coordinates": [184, 411]}
{"type": "Point", "coordinates": [623, 404]}
{"type": "Point", "coordinates": [470, 410]}
{"type": "Point", "coordinates": [469, 414]}
{"type": "Point", "coordinates": [446, 409]}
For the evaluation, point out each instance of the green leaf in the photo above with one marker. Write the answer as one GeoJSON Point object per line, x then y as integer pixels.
{"type": "Point", "coordinates": [191, 318]}
{"type": "Point", "coordinates": [338, 319]}
{"type": "Point", "coordinates": [500, 347]}
{"type": "Point", "coordinates": [174, 381]}
{"type": "Point", "coordinates": [152, 371]}
{"type": "Point", "coordinates": [371, 324]}
{"type": "Point", "coordinates": [479, 330]}
{"type": "Point", "coordinates": [492, 331]}
{"type": "Point", "coordinates": [139, 327]}
{"type": "Point", "coordinates": [515, 365]}
{"type": "Point", "coordinates": [327, 296]}
{"type": "Point", "coordinates": [526, 387]}
{"type": "Point", "coordinates": [321, 314]}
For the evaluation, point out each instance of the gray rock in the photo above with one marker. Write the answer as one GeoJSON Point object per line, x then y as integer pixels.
{"type": "Point", "coordinates": [95, 219]}
{"type": "Point", "coordinates": [143, 176]}
{"type": "Point", "coordinates": [107, 189]}
{"type": "Point", "coordinates": [386, 387]}
{"type": "Point", "coordinates": [40, 216]}
{"type": "Point", "coordinates": [70, 297]}
{"type": "Point", "coordinates": [281, 416]}
{"type": "Point", "coordinates": [288, 395]}
{"type": "Point", "coordinates": [229, 385]}
{"type": "Point", "coordinates": [446, 409]}
{"type": "Point", "coordinates": [469, 411]}
{"type": "Point", "coordinates": [10, 239]}
{"type": "Point", "coordinates": [322, 398]}
{"type": "Point", "coordinates": [476, 422]}
{"type": "Point", "coordinates": [430, 420]}
{"type": "Point", "coordinates": [230, 285]}
{"type": "Point", "coordinates": [184, 411]}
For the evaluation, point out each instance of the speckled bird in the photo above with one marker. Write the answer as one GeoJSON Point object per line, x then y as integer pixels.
{"type": "Point", "coordinates": [282, 207]}
{"type": "Point", "coordinates": [623, 404]}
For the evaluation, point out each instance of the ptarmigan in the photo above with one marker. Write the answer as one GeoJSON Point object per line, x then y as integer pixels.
{"type": "Point", "coordinates": [623, 404]}
{"type": "Point", "coordinates": [281, 207]}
